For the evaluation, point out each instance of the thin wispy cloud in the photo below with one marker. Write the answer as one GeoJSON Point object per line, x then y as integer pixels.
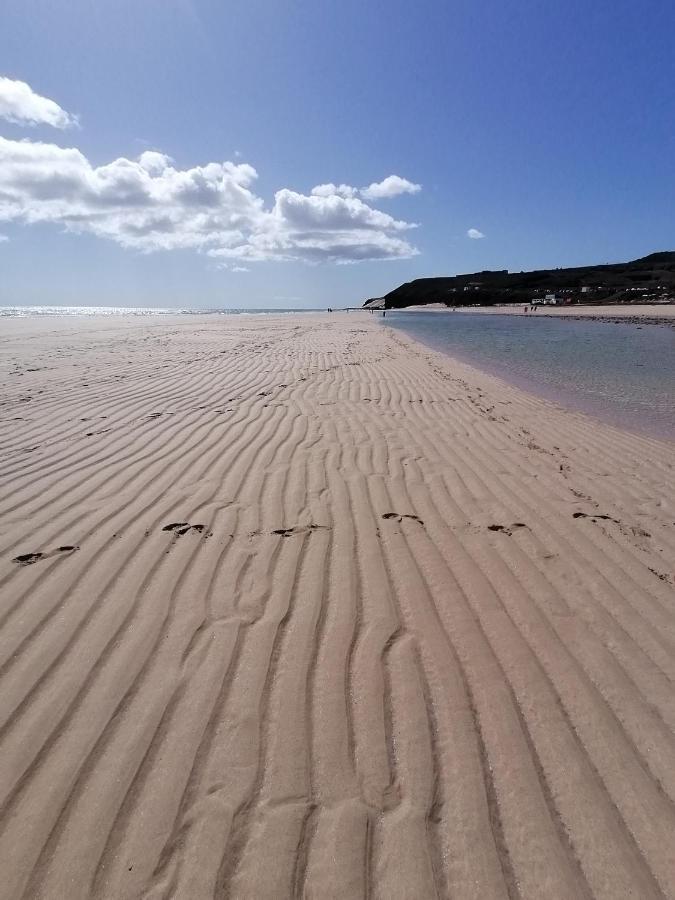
{"type": "Point", "coordinates": [475, 234]}
{"type": "Point", "coordinates": [3, 238]}
{"type": "Point", "coordinates": [20, 105]}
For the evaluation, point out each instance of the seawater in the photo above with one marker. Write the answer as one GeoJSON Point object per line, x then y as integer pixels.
{"type": "Point", "coordinates": [622, 374]}
{"type": "Point", "coordinates": [26, 311]}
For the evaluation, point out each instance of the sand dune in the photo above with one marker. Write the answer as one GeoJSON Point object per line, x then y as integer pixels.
{"type": "Point", "coordinates": [292, 606]}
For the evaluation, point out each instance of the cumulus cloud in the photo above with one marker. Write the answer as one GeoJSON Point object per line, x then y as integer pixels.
{"type": "Point", "coordinates": [330, 190]}
{"type": "Point", "coordinates": [144, 203]}
{"type": "Point", "coordinates": [21, 105]}
{"type": "Point", "coordinates": [330, 212]}
{"type": "Point", "coordinates": [149, 204]}
{"type": "Point", "coordinates": [475, 234]}
{"type": "Point", "coordinates": [392, 186]}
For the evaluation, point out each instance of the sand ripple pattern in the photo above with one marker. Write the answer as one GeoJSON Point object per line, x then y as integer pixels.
{"type": "Point", "coordinates": [297, 608]}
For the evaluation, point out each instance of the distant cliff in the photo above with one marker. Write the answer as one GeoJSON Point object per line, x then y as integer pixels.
{"type": "Point", "coordinates": [651, 278]}
{"type": "Point", "coordinates": [374, 303]}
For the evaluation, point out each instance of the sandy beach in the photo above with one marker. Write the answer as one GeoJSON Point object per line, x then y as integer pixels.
{"type": "Point", "coordinates": [292, 606]}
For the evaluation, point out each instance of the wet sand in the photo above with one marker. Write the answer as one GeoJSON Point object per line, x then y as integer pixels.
{"type": "Point", "coordinates": [293, 606]}
{"type": "Point", "coordinates": [654, 313]}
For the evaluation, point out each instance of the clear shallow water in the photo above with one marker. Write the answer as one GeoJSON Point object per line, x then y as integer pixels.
{"type": "Point", "coordinates": [622, 374]}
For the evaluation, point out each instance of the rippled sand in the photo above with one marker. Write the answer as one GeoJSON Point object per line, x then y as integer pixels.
{"type": "Point", "coordinates": [292, 606]}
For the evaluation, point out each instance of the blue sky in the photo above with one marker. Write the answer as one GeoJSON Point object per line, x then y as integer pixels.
{"type": "Point", "coordinates": [547, 127]}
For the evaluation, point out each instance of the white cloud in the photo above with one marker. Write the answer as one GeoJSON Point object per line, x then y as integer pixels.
{"type": "Point", "coordinates": [3, 238]}
{"type": "Point", "coordinates": [240, 269]}
{"type": "Point", "coordinates": [22, 106]}
{"type": "Point", "coordinates": [150, 204]}
{"type": "Point", "coordinates": [392, 186]}
{"type": "Point", "coordinates": [475, 234]}
{"type": "Point", "coordinates": [332, 212]}
{"type": "Point", "coordinates": [329, 190]}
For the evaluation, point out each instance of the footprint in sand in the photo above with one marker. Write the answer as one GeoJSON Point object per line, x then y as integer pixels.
{"type": "Point", "coordinates": [662, 576]}
{"type": "Point", "coordinates": [27, 559]}
{"type": "Point", "coordinates": [507, 529]}
{"type": "Point", "coordinates": [399, 517]}
{"type": "Point", "coordinates": [180, 528]}
{"type": "Point", "coordinates": [298, 529]}
{"type": "Point", "coordinates": [594, 516]}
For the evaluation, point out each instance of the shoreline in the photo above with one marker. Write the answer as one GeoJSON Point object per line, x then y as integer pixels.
{"type": "Point", "coordinates": [534, 390]}
{"type": "Point", "coordinates": [648, 314]}
{"type": "Point", "coordinates": [306, 606]}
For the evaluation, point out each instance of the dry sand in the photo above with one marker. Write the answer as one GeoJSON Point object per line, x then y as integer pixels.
{"type": "Point", "coordinates": [414, 638]}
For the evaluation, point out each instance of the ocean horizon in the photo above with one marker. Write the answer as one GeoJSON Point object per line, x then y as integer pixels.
{"type": "Point", "coordinates": [47, 310]}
